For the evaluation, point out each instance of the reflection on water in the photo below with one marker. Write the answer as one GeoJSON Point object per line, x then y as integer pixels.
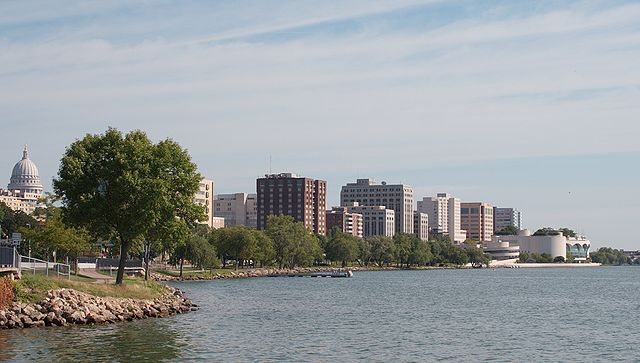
{"type": "Point", "coordinates": [150, 340]}
{"type": "Point", "coordinates": [462, 315]}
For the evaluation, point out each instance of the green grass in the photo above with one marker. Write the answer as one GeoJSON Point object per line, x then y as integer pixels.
{"type": "Point", "coordinates": [33, 288]}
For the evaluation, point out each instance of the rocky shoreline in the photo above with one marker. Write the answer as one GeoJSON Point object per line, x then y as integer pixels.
{"type": "Point", "coordinates": [262, 272]}
{"type": "Point", "coordinates": [66, 306]}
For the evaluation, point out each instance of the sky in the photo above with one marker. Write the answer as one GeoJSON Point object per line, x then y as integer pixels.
{"type": "Point", "coordinates": [525, 104]}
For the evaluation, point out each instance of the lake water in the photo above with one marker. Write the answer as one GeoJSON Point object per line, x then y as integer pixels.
{"type": "Point", "coordinates": [503, 315]}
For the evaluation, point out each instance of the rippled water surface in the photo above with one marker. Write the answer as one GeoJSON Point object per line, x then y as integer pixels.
{"type": "Point", "coordinates": [502, 315]}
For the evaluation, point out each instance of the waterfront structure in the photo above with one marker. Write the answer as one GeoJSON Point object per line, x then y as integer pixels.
{"type": "Point", "coordinates": [553, 244]}
{"type": "Point", "coordinates": [398, 197]}
{"type": "Point", "coordinates": [237, 209]}
{"type": "Point", "coordinates": [25, 186]}
{"type": "Point", "coordinates": [341, 219]}
{"type": "Point", "coordinates": [501, 250]}
{"type": "Point", "coordinates": [444, 216]}
{"type": "Point", "coordinates": [421, 225]}
{"type": "Point", "coordinates": [302, 198]}
{"type": "Point", "coordinates": [376, 220]}
{"type": "Point", "coordinates": [506, 217]}
{"type": "Point", "coordinates": [477, 219]}
{"type": "Point", "coordinates": [204, 197]}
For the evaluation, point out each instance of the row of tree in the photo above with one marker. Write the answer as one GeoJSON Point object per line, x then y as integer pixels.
{"type": "Point", "coordinates": [287, 244]}
{"type": "Point", "coordinates": [610, 256]}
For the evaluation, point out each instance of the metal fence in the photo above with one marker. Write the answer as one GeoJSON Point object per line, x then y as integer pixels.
{"type": "Point", "coordinates": [40, 267]}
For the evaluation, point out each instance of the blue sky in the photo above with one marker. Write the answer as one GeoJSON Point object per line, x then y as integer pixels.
{"type": "Point", "coordinates": [524, 104]}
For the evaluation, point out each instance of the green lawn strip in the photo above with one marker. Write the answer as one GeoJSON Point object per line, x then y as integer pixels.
{"type": "Point", "coordinates": [33, 288]}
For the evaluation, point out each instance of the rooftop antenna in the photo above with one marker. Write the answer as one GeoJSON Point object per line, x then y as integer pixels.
{"type": "Point", "coordinates": [270, 172]}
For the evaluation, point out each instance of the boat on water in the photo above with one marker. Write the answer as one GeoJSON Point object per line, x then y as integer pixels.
{"type": "Point", "coordinates": [341, 273]}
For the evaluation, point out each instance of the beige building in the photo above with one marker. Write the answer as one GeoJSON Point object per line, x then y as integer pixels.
{"type": "Point", "coordinates": [444, 216]}
{"type": "Point", "coordinates": [204, 197]}
{"type": "Point", "coordinates": [340, 218]}
{"type": "Point", "coordinates": [237, 209]}
{"type": "Point", "coordinates": [477, 219]}
{"type": "Point", "coordinates": [24, 202]}
{"type": "Point", "coordinates": [398, 197]}
{"type": "Point", "coordinates": [421, 225]}
{"type": "Point", "coordinates": [376, 220]}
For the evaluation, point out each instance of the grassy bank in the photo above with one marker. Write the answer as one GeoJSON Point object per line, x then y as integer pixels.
{"type": "Point", "coordinates": [33, 288]}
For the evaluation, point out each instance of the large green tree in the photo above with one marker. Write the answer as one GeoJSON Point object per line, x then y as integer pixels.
{"type": "Point", "coordinates": [342, 247]}
{"type": "Point", "coordinates": [381, 248]}
{"type": "Point", "coordinates": [294, 244]}
{"type": "Point", "coordinates": [124, 186]}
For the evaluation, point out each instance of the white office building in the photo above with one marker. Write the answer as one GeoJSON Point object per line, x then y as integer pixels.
{"type": "Point", "coordinates": [397, 197]}
{"type": "Point", "coordinates": [444, 216]}
{"type": "Point", "coordinates": [376, 220]}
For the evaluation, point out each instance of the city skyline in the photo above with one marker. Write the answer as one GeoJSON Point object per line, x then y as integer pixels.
{"type": "Point", "coordinates": [524, 106]}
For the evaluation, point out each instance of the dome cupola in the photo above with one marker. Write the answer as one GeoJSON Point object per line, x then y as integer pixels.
{"type": "Point", "coordinates": [25, 176]}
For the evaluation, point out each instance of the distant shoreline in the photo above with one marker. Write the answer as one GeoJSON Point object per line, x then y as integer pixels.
{"type": "Point", "coordinates": [271, 272]}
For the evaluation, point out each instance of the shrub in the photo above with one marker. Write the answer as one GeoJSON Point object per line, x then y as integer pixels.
{"type": "Point", "coordinates": [6, 292]}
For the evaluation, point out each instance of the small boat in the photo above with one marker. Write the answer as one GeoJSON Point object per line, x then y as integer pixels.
{"type": "Point", "coordinates": [338, 273]}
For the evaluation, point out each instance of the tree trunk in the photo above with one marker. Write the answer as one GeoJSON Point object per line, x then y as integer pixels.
{"type": "Point", "coordinates": [181, 264]}
{"type": "Point", "coordinates": [146, 262]}
{"type": "Point", "coordinates": [124, 248]}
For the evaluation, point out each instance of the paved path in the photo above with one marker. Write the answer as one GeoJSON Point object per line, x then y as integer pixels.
{"type": "Point", "coordinates": [100, 278]}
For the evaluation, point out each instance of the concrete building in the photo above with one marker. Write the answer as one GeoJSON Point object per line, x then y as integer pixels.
{"type": "Point", "coordinates": [444, 216]}
{"type": "Point", "coordinates": [501, 250]}
{"type": "Point", "coordinates": [506, 217]}
{"type": "Point", "coordinates": [477, 219]}
{"type": "Point", "coordinates": [376, 220]}
{"type": "Point", "coordinates": [302, 198]}
{"type": "Point", "coordinates": [398, 197]}
{"type": "Point", "coordinates": [25, 187]}
{"type": "Point", "coordinates": [217, 222]}
{"type": "Point", "coordinates": [554, 245]}
{"type": "Point", "coordinates": [204, 197]}
{"type": "Point", "coordinates": [343, 220]}
{"type": "Point", "coordinates": [237, 209]}
{"type": "Point", "coordinates": [421, 225]}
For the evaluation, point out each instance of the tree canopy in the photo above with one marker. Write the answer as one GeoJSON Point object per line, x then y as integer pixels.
{"type": "Point", "coordinates": [125, 186]}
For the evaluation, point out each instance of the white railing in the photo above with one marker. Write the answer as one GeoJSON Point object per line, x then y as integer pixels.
{"type": "Point", "coordinates": [37, 266]}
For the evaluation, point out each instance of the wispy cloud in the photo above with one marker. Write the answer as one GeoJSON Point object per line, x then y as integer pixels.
{"type": "Point", "coordinates": [392, 85]}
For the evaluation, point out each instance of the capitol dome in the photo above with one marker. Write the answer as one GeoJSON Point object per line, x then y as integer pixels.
{"type": "Point", "coordinates": [25, 176]}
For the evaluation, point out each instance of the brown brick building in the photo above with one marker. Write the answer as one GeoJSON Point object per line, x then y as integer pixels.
{"type": "Point", "coordinates": [304, 199]}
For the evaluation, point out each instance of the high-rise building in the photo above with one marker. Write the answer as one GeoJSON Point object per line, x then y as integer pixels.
{"type": "Point", "coordinates": [506, 217]}
{"type": "Point", "coordinates": [25, 187]}
{"type": "Point", "coordinates": [421, 225]}
{"type": "Point", "coordinates": [204, 197]}
{"type": "Point", "coordinates": [376, 220]}
{"type": "Point", "coordinates": [398, 197]}
{"type": "Point", "coordinates": [237, 209]}
{"type": "Point", "coordinates": [444, 216]}
{"type": "Point", "coordinates": [477, 219]}
{"type": "Point", "coordinates": [302, 198]}
{"type": "Point", "coordinates": [343, 220]}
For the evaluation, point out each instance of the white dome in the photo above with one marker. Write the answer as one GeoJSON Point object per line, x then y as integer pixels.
{"type": "Point", "coordinates": [25, 176]}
